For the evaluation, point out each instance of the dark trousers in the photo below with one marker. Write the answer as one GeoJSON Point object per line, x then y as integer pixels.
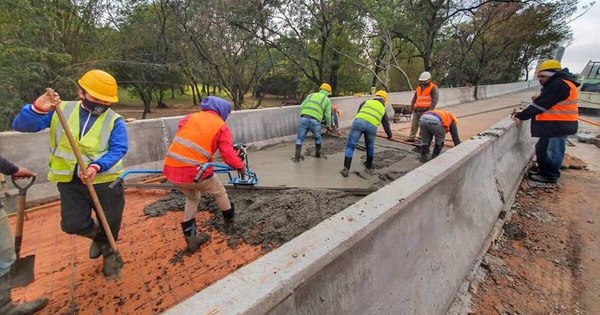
{"type": "Point", "coordinates": [76, 207]}
{"type": "Point", "coordinates": [550, 153]}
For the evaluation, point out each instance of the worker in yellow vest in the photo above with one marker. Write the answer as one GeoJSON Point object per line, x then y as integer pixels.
{"type": "Point", "coordinates": [554, 115]}
{"type": "Point", "coordinates": [313, 109]}
{"type": "Point", "coordinates": [436, 123]}
{"type": "Point", "coordinates": [370, 114]}
{"type": "Point", "coordinates": [101, 136]}
{"type": "Point", "coordinates": [425, 98]}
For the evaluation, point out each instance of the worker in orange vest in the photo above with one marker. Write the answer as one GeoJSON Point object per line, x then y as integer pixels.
{"type": "Point", "coordinates": [436, 123]}
{"type": "Point", "coordinates": [198, 138]}
{"type": "Point", "coordinates": [554, 115]}
{"type": "Point", "coordinates": [425, 98]}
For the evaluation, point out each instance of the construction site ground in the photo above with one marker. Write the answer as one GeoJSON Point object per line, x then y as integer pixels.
{"type": "Point", "coordinates": [158, 273]}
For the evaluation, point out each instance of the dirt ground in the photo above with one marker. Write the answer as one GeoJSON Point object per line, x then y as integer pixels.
{"type": "Point", "coordinates": [546, 260]}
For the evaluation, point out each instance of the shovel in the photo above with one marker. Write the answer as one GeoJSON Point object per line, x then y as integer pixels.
{"type": "Point", "coordinates": [22, 269]}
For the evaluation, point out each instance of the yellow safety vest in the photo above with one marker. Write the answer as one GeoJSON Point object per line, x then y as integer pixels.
{"type": "Point", "coordinates": [93, 145]}
{"type": "Point", "coordinates": [371, 111]}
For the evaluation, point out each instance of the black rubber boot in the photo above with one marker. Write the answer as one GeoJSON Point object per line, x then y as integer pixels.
{"type": "Point", "coordinates": [424, 153]}
{"type": "Point", "coordinates": [369, 162]}
{"type": "Point", "coordinates": [113, 263]}
{"type": "Point", "coordinates": [347, 163]}
{"type": "Point", "coordinates": [8, 308]}
{"type": "Point", "coordinates": [437, 149]}
{"type": "Point", "coordinates": [318, 150]}
{"type": "Point", "coordinates": [193, 240]}
{"type": "Point", "coordinates": [297, 153]}
{"type": "Point", "coordinates": [228, 215]}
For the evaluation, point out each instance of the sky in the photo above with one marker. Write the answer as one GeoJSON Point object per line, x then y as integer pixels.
{"type": "Point", "coordinates": [585, 45]}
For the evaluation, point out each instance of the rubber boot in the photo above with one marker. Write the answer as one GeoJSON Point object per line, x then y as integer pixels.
{"type": "Point", "coordinates": [8, 308]}
{"type": "Point", "coordinates": [228, 215]}
{"type": "Point", "coordinates": [297, 153]}
{"type": "Point", "coordinates": [347, 163]}
{"type": "Point", "coordinates": [95, 251]}
{"type": "Point", "coordinates": [113, 263]}
{"type": "Point", "coordinates": [192, 238]}
{"type": "Point", "coordinates": [369, 162]}
{"type": "Point", "coordinates": [318, 150]}
{"type": "Point", "coordinates": [437, 149]}
{"type": "Point", "coordinates": [424, 153]}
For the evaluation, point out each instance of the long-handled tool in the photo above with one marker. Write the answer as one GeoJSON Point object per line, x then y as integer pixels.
{"type": "Point", "coordinates": [88, 182]}
{"type": "Point", "coordinates": [22, 269]}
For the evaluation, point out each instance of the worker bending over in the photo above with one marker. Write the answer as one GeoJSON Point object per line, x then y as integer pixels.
{"type": "Point", "coordinates": [198, 138]}
{"type": "Point", "coordinates": [436, 123]}
{"type": "Point", "coordinates": [370, 114]}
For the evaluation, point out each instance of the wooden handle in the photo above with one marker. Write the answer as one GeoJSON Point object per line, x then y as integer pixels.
{"type": "Point", "coordinates": [82, 167]}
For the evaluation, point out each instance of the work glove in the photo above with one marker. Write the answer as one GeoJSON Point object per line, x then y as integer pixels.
{"type": "Point", "coordinates": [46, 102]}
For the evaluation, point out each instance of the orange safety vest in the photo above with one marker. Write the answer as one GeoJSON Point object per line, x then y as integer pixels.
{"type": "Point", "coordinates": [192, 144]}
{"type": "Point", "coordinates": [566, 110]}
{"type": "Point", "coordinates": [424, 96]}
{"type": "Point", "coordinates": [446, 117]}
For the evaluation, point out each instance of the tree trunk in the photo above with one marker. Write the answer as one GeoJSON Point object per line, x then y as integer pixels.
{"type": "Point", "coordinates": [172, 92]}
{"type": "Point", "coordinates": [159, 99]}
{"type": "Point", "coordinates": [335, 67]}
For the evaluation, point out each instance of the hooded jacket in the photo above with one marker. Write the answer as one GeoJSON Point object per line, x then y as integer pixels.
{"type": "Point", "coordinates": [554, 91]}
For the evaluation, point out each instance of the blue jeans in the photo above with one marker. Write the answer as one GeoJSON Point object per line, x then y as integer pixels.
{"type": "Point", "coordinates": [307, 124]}
{"type": "Point", "coordinates": [550, 153]}
{"type": "Point", "coordinates": [360, 127]}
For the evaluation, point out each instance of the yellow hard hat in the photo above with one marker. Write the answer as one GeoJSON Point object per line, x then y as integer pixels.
{"type": "Point", "coordinates": [382, 94]}
{"type": "Point", "coordinates": [100, 85]}
{"type": "Point", "coordinates": [326, 87]}
{"type": "Point", "coordinates": [550, 65]}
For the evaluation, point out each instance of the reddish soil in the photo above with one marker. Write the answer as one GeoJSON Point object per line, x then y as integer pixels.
{"type": "Point", "coordinates": [546, 261]}
{"type": "Point", "coordinates": [155, 276]}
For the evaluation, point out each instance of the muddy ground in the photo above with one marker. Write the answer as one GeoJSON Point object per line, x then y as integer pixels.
{"type": "Point", "coordinates": [546, 260]}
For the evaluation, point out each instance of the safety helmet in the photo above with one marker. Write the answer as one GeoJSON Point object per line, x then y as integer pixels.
{"type": "Point", "coordinates": [382, 94]}
{"type": "Point", "coordinates": [100, 85]}
{"type": "Point", "coordinates": [550, 65]}
{"type": "Point", "coordinates": [326, 87]}
{"type": "Point", "coordinates": [425, 76]}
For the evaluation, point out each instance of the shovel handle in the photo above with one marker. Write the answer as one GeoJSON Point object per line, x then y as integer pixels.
{"type": "Point", "coordinates": [82, 167]}
{"type": "Point", "coordinates": [22, 189]}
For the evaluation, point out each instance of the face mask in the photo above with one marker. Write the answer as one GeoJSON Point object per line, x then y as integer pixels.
{"type": "Point", "coordinates": [93, 107]}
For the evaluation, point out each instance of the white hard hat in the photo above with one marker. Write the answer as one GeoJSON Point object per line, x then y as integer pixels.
{"type": "Point", "coordinates": [425, 76]}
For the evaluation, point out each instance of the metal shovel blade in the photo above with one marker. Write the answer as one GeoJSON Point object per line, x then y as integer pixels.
{"type": "Point", "coordinates": [21, 271]}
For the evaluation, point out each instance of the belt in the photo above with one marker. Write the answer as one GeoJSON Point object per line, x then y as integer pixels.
{"type": "Point", "coordinates": [308, 116]}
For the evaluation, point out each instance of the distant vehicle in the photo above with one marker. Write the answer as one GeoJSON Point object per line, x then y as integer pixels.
{"type": "Point", "coordinates": [589, 93]}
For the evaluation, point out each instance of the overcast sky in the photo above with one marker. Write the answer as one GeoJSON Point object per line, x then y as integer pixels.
{"type": "Point", "coordinates": [586, 45]}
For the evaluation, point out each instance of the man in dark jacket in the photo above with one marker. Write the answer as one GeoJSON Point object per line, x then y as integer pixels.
{"type": "Point", "coordinates": [554, 115]}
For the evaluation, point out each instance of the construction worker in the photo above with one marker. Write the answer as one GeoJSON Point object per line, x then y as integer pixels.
{"type": "Point", "coordinates": [425, 98]}
{"type": "Point", "coordinates": [313, 109]}
{"type": "Point", "coordinates": [101, 136]}
{"type": "Point", "coordinates": [198, 138]}
{"type": "Point", "coordinates": [336, 114]}
{"type": "Point", "coordinates": [7, 253]}
{"type": "Point", "coordinates": [436, 123]}
{"type": "Point", "coordinates": [370, 114]}
{"type": "Point", "coordinates": [555, 114]}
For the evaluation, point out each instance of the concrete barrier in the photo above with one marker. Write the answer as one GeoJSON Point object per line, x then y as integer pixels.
{"type": "Point", "coordinates": [488, 91]}
{"type": "Point", "coordinates": [404, 249]}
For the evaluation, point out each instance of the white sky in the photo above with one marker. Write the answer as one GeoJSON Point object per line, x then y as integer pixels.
{"type": "Point", "coordinates": [585, 46]}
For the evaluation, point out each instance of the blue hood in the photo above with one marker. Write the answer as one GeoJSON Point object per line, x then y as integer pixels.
{"type": "Point", "coordinates": [217, 104]}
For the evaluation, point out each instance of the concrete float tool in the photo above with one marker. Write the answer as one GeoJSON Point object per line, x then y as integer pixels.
{"type": "Point", "coordinates": [21, 271]}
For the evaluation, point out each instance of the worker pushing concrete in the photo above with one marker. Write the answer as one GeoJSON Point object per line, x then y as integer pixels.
{"type": "Point", "coordinates": [198, 138]}
{"type": "Point", "coordinates": [102, 139]}
{"type": "Point", "coordinates": [313, 109]}
{"type": "Point", "coordinates": [436, 123]}
{"type": "Point", "coordinates": [7, 253]}
{"type": "Point", "coordinates": [370, 114]}
{"type": "Point", "coordinates": [425, 98]}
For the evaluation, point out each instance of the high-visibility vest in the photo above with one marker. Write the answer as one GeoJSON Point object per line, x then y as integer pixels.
{"type": "Point", "coordinates": [192, 144]}
{"type": "Point", "coordinates": [424, 96]}
{"type": "Point", "coordinates": [371, 111]}
{"type": "Point", "coordinates": [314, 105]}
{"type": "Point", "coordinates": [93, 145]}
{"type": "Point", "coordinates": [445, 116]}
{"type": "Point", "coordinates": [566, 110]}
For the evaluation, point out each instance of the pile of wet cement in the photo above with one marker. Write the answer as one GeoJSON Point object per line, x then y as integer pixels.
{"type": "Point", "coordinates": [265, 217]}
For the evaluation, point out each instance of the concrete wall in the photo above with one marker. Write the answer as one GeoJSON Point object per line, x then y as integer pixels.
{"type": "Point", "coordinates": [149, 139]}
{"type": "Point", "coordinates": [404, 249]}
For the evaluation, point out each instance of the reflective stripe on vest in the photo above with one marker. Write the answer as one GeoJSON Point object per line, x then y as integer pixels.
{"type": "Point", "coordinates": [445, 117]}
{"type": "Point", "coordinates": [371, 111]}
{"type": "Point", "coordinates": [566, 110]}
{"type": "Point", "coordinates": [192, 144]}
{"type": "Point", "coordinates": [424, 96]}
{"type": "Point", "coordinates": [313, 106]}
{"type": "Point", "coordinates": [93, 145]}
